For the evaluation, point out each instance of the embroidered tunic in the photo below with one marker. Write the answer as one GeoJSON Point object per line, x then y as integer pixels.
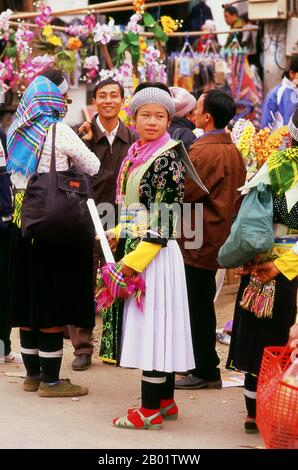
{"type": "Point", "coordinates": [158, 182]}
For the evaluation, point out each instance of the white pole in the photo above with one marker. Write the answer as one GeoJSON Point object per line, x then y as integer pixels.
{"type": "Point", "coordinates": [100, 232]}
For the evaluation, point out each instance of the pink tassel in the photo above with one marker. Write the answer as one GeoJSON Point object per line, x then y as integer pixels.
{"type": "Point", "coordinates": [263, 307]}
{"type": "Point", "coordinates": [104, 300]}
{"type": "Point", "coordinates": [256, 306]}
{"type": "Point", "coordinates": [248, 298]}
{"type": "Point", "coordinates": [140, 291]}
{"type": "Point", "coordinates": [258, 298]}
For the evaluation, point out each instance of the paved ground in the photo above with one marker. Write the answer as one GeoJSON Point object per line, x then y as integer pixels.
{"type": "Point", "coordinates": [208, 418]}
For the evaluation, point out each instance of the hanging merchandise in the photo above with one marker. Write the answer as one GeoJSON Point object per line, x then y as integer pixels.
{"type": "Point", "coordinates": [244, 82]}
{"type": "Point", "coordinates": [219, 72]}
{"type": "Point", "coordinates": [185, 67]}
{"type": "Point", "coordinates": [227, 68]}
{"type": "Point", "coordinates": [92, 51]}
{"type": "Point", "coordinates": [192, 70]}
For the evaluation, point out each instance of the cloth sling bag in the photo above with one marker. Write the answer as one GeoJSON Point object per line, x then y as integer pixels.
{"type": "Point", "coordinates": [252, 231]}
{"type": "Point", "coordinates": [54, 206]}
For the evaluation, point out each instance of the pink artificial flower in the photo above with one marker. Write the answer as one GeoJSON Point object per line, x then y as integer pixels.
{"type": "Point", "coordinates": [91, 62]}
{"type": "Point", "coordinates": [90, 22]}
{"type": "Point", "coordinates": [78, 30]}
{"type": "Point", "coordinates": [43, 18]}
{"type": "Point", "coordinates": [133, 27]}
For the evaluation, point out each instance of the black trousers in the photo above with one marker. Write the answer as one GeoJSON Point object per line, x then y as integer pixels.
{"type": "Point", "coordinates": [5, 328]}
{"type": "Point", "coordinates": [201, 288]}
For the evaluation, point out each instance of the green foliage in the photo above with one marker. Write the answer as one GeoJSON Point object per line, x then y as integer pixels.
{"type": "Point", "coordinates": [11, 51]}
{"type": "Point", "coordinates": [66, 61]}
{"type": "Point", "coordinates": [130, 41]}
{"type": "Point", "coordinates": [149, 21]}
{"type": "Point", "coordinates": [160, 34]}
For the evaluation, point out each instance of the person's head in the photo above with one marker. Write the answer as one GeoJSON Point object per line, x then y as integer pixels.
{"type": "Point", "coordinates": [214, 110]}
{"type": "Point", "coordinates": [209, 25]}
{"type": "Point", "coordinates": [293, 128]}
{"type": "Point", "coordinates": [245, 18]}
{"type": "Point", "coordinates": [152, 106]}
{"type": "Point", "coordinates": [293, 70]}
{"type": "Point", "coordinates": [57, 77]}
{"type": "Point", "coordinates": [230, 14]}
{"type": "Point", "coordinates": [185, 103]}
{"type": "Point", "coordinates": [108, 97]}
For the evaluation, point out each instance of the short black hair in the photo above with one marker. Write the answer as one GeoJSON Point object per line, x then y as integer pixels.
{"type": "Point", "coordinates": [108, 81]}
{"type": "Point", "coordinates": [245, 17]}
{"type": "Point", "coordinates": [159, 85]}
{"type": "Point", "coordinates": [231, 10]}
{"type": "Point", "coordinates": [294, 64]}
{"type": "Point", "coordinates": [295, 122]}
{"type": "Point", "coordinates": [221, 106]}
{"type": "Point", "coordinates": [55, 75]}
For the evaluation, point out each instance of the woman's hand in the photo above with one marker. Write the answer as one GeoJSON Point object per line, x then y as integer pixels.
{"type": "Point", "coordinates": [293, 332]}
{"type": "Point", "coordinates": [126, 271]}
{"type": "Point", "coordinates": [85, 131]}
{"type": "Point", "coordinates": [244, 270]}
{"type": "Point", "coordinates": [112, 240]}
{"type": "Point", "coordinates": [265, 272]}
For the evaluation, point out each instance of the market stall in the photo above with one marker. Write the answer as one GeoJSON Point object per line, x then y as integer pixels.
{"type": "Point", "coordinates": [93, 47]}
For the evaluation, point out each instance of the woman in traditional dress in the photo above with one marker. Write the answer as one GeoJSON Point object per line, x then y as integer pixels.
{"type": "Point", "coordinates": [265, 309]}
{"type": "Point", "coordinates": [50, 282]}
{"type": "Point", "coordinates": [156, 340]}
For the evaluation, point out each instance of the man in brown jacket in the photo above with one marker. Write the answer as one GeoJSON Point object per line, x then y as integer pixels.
{"type": "Point", "coordinates": [222, 170]}
{"type": "Point", "coordinates": [109, 138]}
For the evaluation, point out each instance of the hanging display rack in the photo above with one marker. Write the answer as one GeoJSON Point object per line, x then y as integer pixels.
{"type": "Point", "coordinates": [107, 7]}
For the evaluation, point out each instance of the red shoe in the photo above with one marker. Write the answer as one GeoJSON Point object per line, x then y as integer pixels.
{"type": "Point", "coordinates": [168, 409]}
{"type": "Point", "coordinates": [137, 420]}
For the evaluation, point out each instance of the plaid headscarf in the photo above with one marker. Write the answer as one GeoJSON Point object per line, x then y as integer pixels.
{"type": "Point", "coordinates": [41, 105]}
{"type": "Point", "coordinates": [283, 170]}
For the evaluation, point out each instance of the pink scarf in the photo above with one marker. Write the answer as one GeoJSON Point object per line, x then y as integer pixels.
{"type": "Point", "coordinates": [137, 155]}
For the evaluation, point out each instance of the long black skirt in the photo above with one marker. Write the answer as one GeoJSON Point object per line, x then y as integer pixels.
{"type": "Point", "coordinates": [5, 241]}
{"type": "Point", "coordinates": [50, 285]}
{"type": "Point", "coordinates": [250, 335]}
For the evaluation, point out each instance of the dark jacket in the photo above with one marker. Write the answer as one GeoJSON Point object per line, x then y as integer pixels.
{"type": "Point", "coordinates": [104, 184]}
{"type": "Point", "coordinates": [181, 129]}
{"type": "Point", "coordinates": [222, 170]}
{"type": "Point", "coordinates": [5, 185]}
{"type": "Point", "coordinates": [197, 16]}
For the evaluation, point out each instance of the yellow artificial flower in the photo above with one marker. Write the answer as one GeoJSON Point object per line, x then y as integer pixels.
{"type": "Point", "coordinates": [55, 40]}
{"type": "Point", "coordinates": [47, 31]}
{"type": "Point", "coordinates": [245, 141]}
{"type": "Point", "coordinates": [168, 24]}
{"type": "Point", "coordinates": [143, 44]}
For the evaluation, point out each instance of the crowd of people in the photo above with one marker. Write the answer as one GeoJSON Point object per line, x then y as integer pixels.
{"type": "Point", "coordinates": [48, 284]}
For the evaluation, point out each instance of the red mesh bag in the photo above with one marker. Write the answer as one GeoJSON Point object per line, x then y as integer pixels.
{"type": "Point", "coordinates": [277, 398]}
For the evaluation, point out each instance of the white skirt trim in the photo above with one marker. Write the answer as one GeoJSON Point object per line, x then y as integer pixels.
{"type": "Point", "coordinates": [159, 338]}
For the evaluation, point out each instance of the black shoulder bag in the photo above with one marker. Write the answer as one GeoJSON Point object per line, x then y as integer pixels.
{"type": "Point", "coordinates": [54, 205]}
